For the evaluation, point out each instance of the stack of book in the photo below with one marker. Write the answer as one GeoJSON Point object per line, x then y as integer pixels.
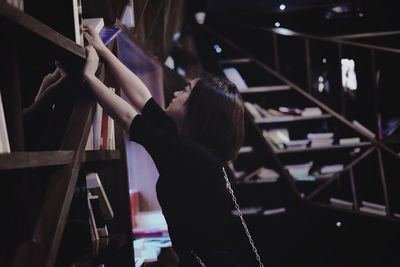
{"type": "Point", "coordinates": [320, 139]}
{"type": "Point", "coordinates": [280, 139]}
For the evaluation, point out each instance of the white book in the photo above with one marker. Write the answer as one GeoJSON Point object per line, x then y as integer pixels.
{"type": "Point", "coordinates": [92, 221]}
{"type": "Point", "coordinates": [349, 141]}
{"type": "Point", "coordinates": [95, 23]}
{"type": "Point", "coordinates": [128, 18]}
{"type": "Point", "coordinates": [234, 76]}
{"type": "Point", "coordinates": [341, 202]}
{"type": "Point", "coordinates": [373, 205]}
{"type": "Point", "coordinates": [364, 129]}
{"type": "Point", "coordinates": [373, 211]}
{"type": "Point", "coordinates": [312, 111]}
{"type": "Point", "coordinates": [98, 115]}
{"type": "Point", "coordinates": [273, 211]}
{"type": "Point", "coordinates": [321, 143]}
{"type": "Point", "coordinates": [247, 211]}
{"type": "Point", "coordinates": [94, 185]}
{"type": "Point", "coordinates": [332, 168]}
{"type": "Point", "coordinates": [77, 15]}
{"type": "Point", "coordinates": [245, 149]}
{"type": "Point", "coordinates": [4, 142]}
{"type": "Point", "coordinates": [89, 143]}
{"type": "Point", "coordinates": [297, 143]}
{"type": "Point", "coordinates": [319, 136]}
{"type": "Point", "coordinates": [299, 170]}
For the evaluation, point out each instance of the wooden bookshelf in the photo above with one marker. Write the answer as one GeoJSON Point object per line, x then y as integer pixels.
{"type": "Point", "coordinates": [289, 119]}
{"type": "Point", "coordinates": [32, 25]}
{"type": "Point", "coordinates": [55, 157]}
{"type": "Point", "coordinates": [265, 89]}
{"type": "Point", "coordinates": [322, 148]}
{"type": "Point", "coordinates": [22, 160]}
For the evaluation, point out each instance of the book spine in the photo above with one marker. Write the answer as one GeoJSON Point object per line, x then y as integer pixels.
{"type": "Point", "coordinates": [4, 142]}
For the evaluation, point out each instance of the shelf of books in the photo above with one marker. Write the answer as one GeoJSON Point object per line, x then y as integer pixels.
{"type": "Point", "coordinates": [309, 144]}
{"type": "Point", "coordinates": [80, 197]}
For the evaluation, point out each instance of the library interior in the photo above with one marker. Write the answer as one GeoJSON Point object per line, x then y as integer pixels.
{"type": "Point", "coordinates": [314, 182]}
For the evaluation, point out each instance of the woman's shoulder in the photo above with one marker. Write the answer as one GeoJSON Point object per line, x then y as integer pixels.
{"type": "Point", "coordinates": [199, 154]}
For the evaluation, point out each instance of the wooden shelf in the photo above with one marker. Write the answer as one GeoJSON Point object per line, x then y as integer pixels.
{"type": "Point", "coordinates": [287, 119]}
{"type": "Point", "coordinates": [27, 22]}
{"type": "Point", "coordinates": [101, 155]}
{"type": "Point", "coordinates": [265, 89]}
{"type": "Point", "coordinates": [393, 218]}
{"type": "Point", "coordinates": [21, 160]}
{"type": "Point", "coordinates": [323, 148]}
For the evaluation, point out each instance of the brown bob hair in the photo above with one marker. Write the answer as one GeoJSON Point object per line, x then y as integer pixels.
{"type": "Point", "coordinates": [215, 116]}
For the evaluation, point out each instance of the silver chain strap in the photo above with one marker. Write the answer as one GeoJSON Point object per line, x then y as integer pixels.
{"type": "Point", "coordinates": [228, 186]}
{"type": "Point", "coordinates": [230, 190]}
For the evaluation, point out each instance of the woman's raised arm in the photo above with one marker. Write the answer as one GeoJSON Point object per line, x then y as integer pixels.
{"type": "Point", "coordinates": [135, 90]}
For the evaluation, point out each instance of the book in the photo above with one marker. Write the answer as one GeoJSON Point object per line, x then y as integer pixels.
{"type": "Point", "coordinates": [99, 221]}
{"type": "Point", "coordinates": [297, 143]}
{"type": "Point", "coordinates": [373, 205]}
{"type": "Point", "coordinates": [277, 136]}
{"type": "Point", "coordinates": [341, 203]}
{"type": "Point", "coordinates": [96, 127]}
{"type": "Point", "coordinates": [273, 211]}
{"type": "Point", "coordinates": [299, 170]}
{"type": "Point", "coordinates": [311, 111]}
{"type": "Point", "coordinates": [319, 136]}
{"type": "Point", "coordinates": [128, 17]}
{"type": "Point", "coordinates": [95, 187]}
{"type": "Point", "coordinates": [331, 168]}
{"type": "Point", "coordinates": [321, 142]}
{"type": "Point", "coordinates": [108, 33]}
{"type": "Point", "coordinates": [349, 140]}
{"type": "Point", "coordinates": [373, 211]}
{"type": "Point", "coordinates": [247, 211]}
{"type": "Point", "coordinates": [233, 75]}
{"type": "Point", "coordinates": [77, 16]}
{"type": "Point", "coordinates": [4, 142]}
{"type": "Point", "coordinates": [95, 23]}
{"type": "Point", "coordinates": [92, 222]}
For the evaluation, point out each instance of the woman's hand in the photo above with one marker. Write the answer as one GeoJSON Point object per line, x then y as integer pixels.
{"type": "Point", "coordinates": [94, 40]}
{"type": "Point", "coordinates": [92, 62]}
{"type": "Point", "coordinates": [51, 80]}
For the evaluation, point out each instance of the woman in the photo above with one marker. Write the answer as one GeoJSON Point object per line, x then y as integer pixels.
{"type": "Point", "coordinates": [190, 142]}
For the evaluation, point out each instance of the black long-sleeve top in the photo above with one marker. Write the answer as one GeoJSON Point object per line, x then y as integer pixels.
{"type": "Point", "coordinates": [191, 186]}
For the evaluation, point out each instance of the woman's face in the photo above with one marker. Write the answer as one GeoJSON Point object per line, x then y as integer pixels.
{"type": "Point", "coordinates": [177, 108]}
